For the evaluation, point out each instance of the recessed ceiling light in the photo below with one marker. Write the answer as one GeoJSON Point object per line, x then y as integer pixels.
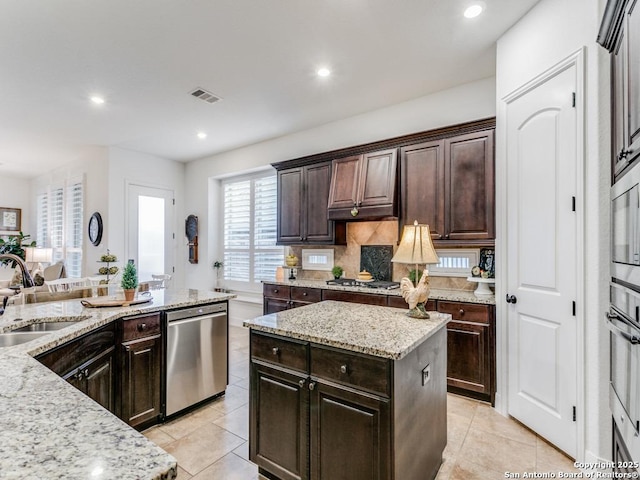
{"type": "Point", "coordinates": [97, 100]}
{"type": "Point", "coordinates": [323, 72]}
{"type": "Point", "coordinates": [473, 11]}
{"type": "Point", "coordinates": [202, 135]}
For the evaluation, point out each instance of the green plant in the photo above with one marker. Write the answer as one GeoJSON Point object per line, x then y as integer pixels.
{"type": "Point", "coordinates": [129, 277]}
{"type": "Point", "coordinates": [218, 265]}
{"type": "Point", "coordinates": [15, 244]}
{"type": "Point", "coordinates": [337, 271]}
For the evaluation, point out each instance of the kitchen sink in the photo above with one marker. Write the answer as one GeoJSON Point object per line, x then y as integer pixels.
{"type": "Point", "coordinates": [43, 327]}
{"type": "Point", "coordinates": [11, 339]}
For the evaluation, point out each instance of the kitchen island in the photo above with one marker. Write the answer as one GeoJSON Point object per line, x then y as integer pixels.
{"type": "Point", "coordinates": [341, 390]}
{"type": "Point", "coordinates": [52, 430]}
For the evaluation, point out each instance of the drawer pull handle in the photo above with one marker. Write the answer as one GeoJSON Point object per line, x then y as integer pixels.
{"type": "Point", "coordinates": [312, 385]}
{"type": "Point", "coordinates": [343, 369]}
{"type": "Point", "coordinates": [461, 312]}
{"type": "Point", "coordinates": [142, 327]}
{"type": "Point", "coordinates": [275, 350]}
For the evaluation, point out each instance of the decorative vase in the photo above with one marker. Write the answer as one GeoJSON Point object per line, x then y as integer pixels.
{"type": "Point", "coordinates": [129, 294]}
{"type": "Point", "coordinates": [291, 260]}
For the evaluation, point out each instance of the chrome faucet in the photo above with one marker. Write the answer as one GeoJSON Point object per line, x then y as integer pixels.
{"type": "Point", "coordinates": [27, 279]}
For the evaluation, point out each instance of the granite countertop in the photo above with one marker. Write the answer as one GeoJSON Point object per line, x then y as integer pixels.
{"type": "Point", "coordinates": [435, 294]}
{"type": "Point", "coordinates": [381, 331]}
{"type": "Point", "coordinates": [50, 429]}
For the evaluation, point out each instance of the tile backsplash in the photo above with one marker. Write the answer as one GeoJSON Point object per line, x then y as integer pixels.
{"type": "Point", "coordinates": [372, 233]}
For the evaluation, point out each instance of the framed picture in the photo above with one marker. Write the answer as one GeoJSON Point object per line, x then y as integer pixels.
{"type": "Point", "coordinates": [10, 219]}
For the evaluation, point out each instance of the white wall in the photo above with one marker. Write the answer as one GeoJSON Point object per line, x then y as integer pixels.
{"type": "Point", "coordinates": [460, 104]}
{"type": "Point", "coordinates": [92, 165]}
{"type": "Point", "coordinates": [15, 193]}
{"type": "Point", "coordinates": [550, 32]}
{"type": "Point", "coordinates": [129, 167]}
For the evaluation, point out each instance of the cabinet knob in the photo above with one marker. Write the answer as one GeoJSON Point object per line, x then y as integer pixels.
{"type": "Point", "coordinates": [86, 372]}
{"type": "Point", "coordinates": [447, 236]}
{"type": "Point", "coordinates": [312, 385]}
{"type": "Point", "coordinates": [275, 290]}
{"type": "Point", "coordinates": [142, 327]}
{"type": "Point", "coordinates": [304, 294]}
{"type": "Point", "coordinates": [301, 383]}
{"type": "Point", "coordinates": [461, 312]}
{"type": "Point", "coordinates": [301, 238]}
{"type": "Point", "coordinates": [275, 350]}
{"type": "Point", "coordinates": [343, 369]}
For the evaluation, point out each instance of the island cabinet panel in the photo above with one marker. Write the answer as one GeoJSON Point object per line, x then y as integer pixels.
{"type": "Point", "coordinates": [88, 363]}
{"type": "Point", "coordinates": [140, 344]}
{"type": "Point", "coordinates": [279, 421]}
{"type": "Point", "coordinates": [348, 415]}
{"type": "Point", "coordinates": [303, 194]}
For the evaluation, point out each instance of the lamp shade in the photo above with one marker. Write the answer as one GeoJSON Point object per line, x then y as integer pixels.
{"type": "Point", "coordinates": [416, 246]}
{"type": "Point", "coordinates": [38, 255]}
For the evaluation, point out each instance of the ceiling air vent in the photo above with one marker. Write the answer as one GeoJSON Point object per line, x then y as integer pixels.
{"type": "Point", "coordinates": [204, 95]}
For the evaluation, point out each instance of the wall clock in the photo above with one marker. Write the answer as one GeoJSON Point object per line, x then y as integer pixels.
{"type": "Point", "coordinates": [95, 229]}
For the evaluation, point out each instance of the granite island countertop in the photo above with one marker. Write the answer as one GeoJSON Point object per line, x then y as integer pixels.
{"type": "Point", "coordinates": [50, 429]}
{"type": "Point", "coordinates": [466, 296]}
{"type": "Point", "coordinates": [380, 331]}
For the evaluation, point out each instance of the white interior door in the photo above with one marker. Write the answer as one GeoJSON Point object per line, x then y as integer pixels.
{"type": "Point", "coordinates": [150, 230]}
{"type": "Point", "coordinates": [541, 251]}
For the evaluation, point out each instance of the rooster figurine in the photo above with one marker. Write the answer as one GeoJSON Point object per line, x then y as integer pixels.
{"type": "Point", "coordinates": [416, 296]}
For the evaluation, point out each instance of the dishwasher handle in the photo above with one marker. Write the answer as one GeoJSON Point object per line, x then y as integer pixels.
{"type": "Point", "coordinates": [184, 321]}
{"type": "Point", "coordinates": [198, 311]}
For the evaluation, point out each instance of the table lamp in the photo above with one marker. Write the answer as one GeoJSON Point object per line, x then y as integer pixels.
{"type": "Point", "coordinates": [36, 256]}
{"type": "Point", "coordinates": [416, 249]}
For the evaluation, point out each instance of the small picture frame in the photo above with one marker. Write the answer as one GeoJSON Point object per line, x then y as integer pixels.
{"type": "Point", "coordinates": [10, 219]}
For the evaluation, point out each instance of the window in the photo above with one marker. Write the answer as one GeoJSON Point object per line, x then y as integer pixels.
{"type": "Point", "coordinates": [455, 263]}
{"type": "Point", "coordinates": [249, 230]}
{"type": "Point", "coordinates": [59, 213]}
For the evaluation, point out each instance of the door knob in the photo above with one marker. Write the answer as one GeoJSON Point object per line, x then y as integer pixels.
{"type": "Point", "coordinates": [511, 299]}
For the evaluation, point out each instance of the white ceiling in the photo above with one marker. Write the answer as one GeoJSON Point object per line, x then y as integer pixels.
{"type": "Point", "coordinates": [260, 56]}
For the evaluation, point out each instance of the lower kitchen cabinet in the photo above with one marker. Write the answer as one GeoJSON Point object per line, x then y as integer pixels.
{"type": "Point", "coordinates": [87, 363]}
{"type": "Point", "coordinates": [141, 370]}
{"type": "Point", "coordinates": [277, 298]}
{"type": "Point", "coordinates": [323, 413]}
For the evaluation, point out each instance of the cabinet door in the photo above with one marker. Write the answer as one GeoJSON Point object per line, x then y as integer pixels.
{"type": "Point", "coordinates": [468, 364]}
{"type": "Point", "coordinates": [350, 434]}
{"type": "Point", "coordinates": [279, 422]}
{"type": "Point", "coordinates": [422, 186]}
{"type": "Point", "coordinates": [345, 176]}
{"type": "Point", "coordinates": [633, 76]}
{"type": "Point", "coordinates": [378, 179]}
{"type": "Point", "coordinates": [140, 380]}
{"type": "Point", "coordinates": [274, 305]}
{"type": "Point", "coordinates": [290, 206]}
{"type": "Point", "coordinates": [100, 379]}
{"type": "Point", "coordinates": [469, 188]}
{"type": "Point", "coordinates": [318, 228]}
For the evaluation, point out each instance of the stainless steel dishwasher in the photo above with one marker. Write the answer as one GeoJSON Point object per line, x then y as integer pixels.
{"type": "Point", "coordinates": [197, 355]}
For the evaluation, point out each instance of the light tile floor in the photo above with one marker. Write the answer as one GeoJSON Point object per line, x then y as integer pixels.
{"type": "Point", "coordinates": [211, 443]}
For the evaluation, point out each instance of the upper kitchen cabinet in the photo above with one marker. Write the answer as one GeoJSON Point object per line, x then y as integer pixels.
{"type": "Point", "coordinates": [620, 34]}
{"type": "Point", "coordinates": [449, 184]}
{"type": "Point", "coordinates": [363, 186]}
{"type": "Point", "coordinates": [303, 194]}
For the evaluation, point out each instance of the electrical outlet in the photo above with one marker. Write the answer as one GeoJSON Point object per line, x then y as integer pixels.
{"type": "Point", "coordinates": [426, 374]}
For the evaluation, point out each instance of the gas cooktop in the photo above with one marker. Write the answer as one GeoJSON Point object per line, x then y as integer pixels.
{"type": "Point", "coordinates": [354, 282]}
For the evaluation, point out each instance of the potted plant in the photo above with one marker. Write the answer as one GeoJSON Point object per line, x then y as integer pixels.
{"type": "Point", "coordinates": [129, 281]}
{"type": "Point", "coordinates": [337, 272]}
{"type": "Point", "coordinates": [15, 245]}
{"type": "Point", "coordinates": [217, 265]}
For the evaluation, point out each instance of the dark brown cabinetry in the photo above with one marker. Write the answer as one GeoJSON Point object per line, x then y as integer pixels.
{"type": "Point", "coordinates": [325, 413]}
{"type": "Point", "coordinates": [87, 363]}
{"type": "Point", "coordinates": [303, 194]}
{"type": "Point", "coordinates": [364, 186]}
{"type": "Point", "coordinates": [141, 363]}
{"type": "Point", "coordinates": [620, 34]}
{"type": "Point", "coordinates": [449, 185]}
{"type": "Point", "coordinates": [471, 363]}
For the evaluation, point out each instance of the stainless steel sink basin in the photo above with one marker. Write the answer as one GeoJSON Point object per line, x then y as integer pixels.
{"type": "Point", "coordinates": [11, 339]}
{"type": "Point", "coordinates": [43, 327]}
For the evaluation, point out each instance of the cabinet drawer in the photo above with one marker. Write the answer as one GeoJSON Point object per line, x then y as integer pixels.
{"type": "Point", "coordinates": [279, 351]}
{"type": "Point", "coordinates": [366, 298]}
{"type": "Point", "coordinates": [140, 326]}
{"type": "Point", "coordinates": [361, 371]}
{"type": "Point", "coordinates": [399, 302]}
{"type": "Point", "coordinates": [276, 291]}
{"type": "Point", "coordinates": [470, 312]}
{"type": "Point", "coordinates": [303, 294]}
